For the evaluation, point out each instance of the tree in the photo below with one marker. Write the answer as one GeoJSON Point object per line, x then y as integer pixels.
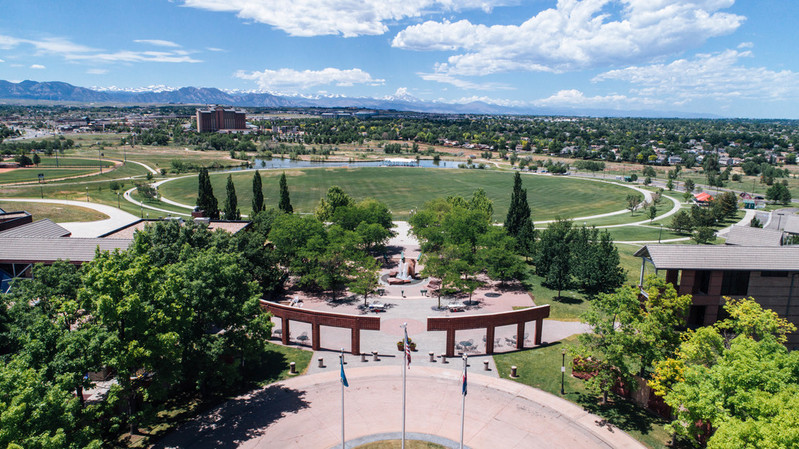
{"type": "Point", "coordinates": [519, 209]}
{"type": "Point", "coordinates": [779, 193]}
{"type": "Point", "coordinates": [653, 212]}
{"type": "Point", "coordinates": [364, 278]}
{"type": "Point", "coordinates": [257, 194]}
{"type": "Point", "coordinates": [681, 222]}
{"type": "Point", "coordinates": [649, 172]}
{"type": "Point", "coordinates": [231, 201]}
{"type": "Point", "coordinates": [595, 261]}
{"type": "Point", "coordinates": [147, 191]}
{"type": "Point", "coordinates": [334, 199]}
{"type": "Point", "coordinates": [736, 376]}
{"type": "Point", "coordinates": [703, 235]}
{"type": "Point", "coordinates": [525, 241]}
{"type": "Point", "coordinates": [553, 255]}
{"type": "Point", "coordinates": [728, 204]}
{"type": "Point", "coordinates": [689, 186]}
{"type": "Point", "coordinates": [633, 201]}
{"type": "Point", "coordinates": [628, 336]}
{"type": "Point", "coordinates": [206, 201]}
{"type": "Point", "coordinates": [755, 223]}
{"type": "Point", "coordinates": [285, 201]}
{"type": "Point", "coordinates": [36, 159]}
{"type": "Point", "coordinates": [670, 184]}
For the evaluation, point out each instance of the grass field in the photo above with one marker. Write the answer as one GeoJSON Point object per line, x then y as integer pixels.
{"type": "Point", "coordinates": [32, 174]}
{"type": "Point", "coordinates": [52, 162]}
{"type": "Point", "coordinates": [540, 368]}
{"type": "Point", "coordinates": [404, 189]}
{"type": "Point", "coordinates": [162, 157]}
{"type": "Point", "coordinates": [58, 213]}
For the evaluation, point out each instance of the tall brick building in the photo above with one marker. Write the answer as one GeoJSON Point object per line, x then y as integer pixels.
{"type": "Point", "coordinates": [217, 118]}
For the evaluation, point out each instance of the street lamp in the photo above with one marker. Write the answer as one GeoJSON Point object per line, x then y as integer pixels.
{"type": "Point", "coordinates": [562, 370]}
{"type": "Point", "coordinates": [118, 201]}
{"type": "Point", "coordinates": [87, 194]}
{"type": "Point", "coordinates": [661, 232]}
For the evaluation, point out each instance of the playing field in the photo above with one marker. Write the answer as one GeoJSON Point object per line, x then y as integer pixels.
{"type": "Point", "coordinates": [404, 189]}
{"type": "Point", "coordinates": [32, 174]}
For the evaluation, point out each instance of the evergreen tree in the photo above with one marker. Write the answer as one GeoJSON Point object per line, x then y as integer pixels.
{"type": "Point", "coordinates": [553, 255]}
{"type": "Point", "coordinates": [519, 210]}
{"type": "Point", "coordinates": [257, 194]}
{"type": "Point", "coordinates": [206, 200]}
{"type": "Point", "coordinates": [285, 201]}
{"type": "Point", "coordinates": [231, 202]}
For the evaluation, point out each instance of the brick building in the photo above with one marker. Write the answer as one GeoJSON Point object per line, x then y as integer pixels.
{"type": "Point", "coordinates": [770, 274]}
{"type": "Point", "coordinates": [217, 118]}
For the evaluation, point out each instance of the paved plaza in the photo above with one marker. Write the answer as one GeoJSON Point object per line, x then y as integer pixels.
{"type": "Point", "coordinates": [305, 412]}
{"type": "Point", "coordinates": [409, 304]}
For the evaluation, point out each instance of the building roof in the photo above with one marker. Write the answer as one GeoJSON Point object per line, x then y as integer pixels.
{"type": "Point", "coordinates": [127, 231]}
{"type": "Point", "coordinates": [6, 216]}
{"type": "Point", "coordinates": [748, 236]}
{"type": "Point", "coordinates": [722, 257]}
{"type": "Point", "coordinates": [792, 224]}
{"type": "Point", "coordinates": [48, 250]}
{"type": "Point", "coordinates": [42, 228]}
{"type": "Point", "coordinates": [703, 196]}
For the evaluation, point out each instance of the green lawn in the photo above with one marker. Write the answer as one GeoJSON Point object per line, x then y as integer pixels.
{"type": "Point", "coordinates": [540, 368]}
{"type": "Point", "coordinates": [58, 213]}
{"type": "Point", "coordinates": [403, 189]}
{"type": "Point", "coordinates": [396, 444]}
{"type": "Point", "coordinates": [637, 233]}
{"type": "Point", "coordinates": [32, 174]}
{"type": "Point", "coordinates": [66, 161]}
{"type": "Point", "coordinates": [568, 307]}
{"type": "Point", "coordinates": [161, 157]}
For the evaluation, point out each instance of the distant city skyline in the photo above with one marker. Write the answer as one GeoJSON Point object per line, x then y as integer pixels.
{"type": "Point", "coordinates": [718, 57]}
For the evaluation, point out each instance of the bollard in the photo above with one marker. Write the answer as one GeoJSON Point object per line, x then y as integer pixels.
{"type": "Point", "coordinates": [321, 362]}
{"type": "Point", "coordinates": [363, 357]}
{"type": "Point", "coordinates": [485, 365]}
{"type": "Point", "coordinates": [292, 368]}
{"type": "Point", "coordinates": [375, 358]}
{"type": "Point", "coordinates": [513, 372]}
{"type": "Point", "coordinates": [444, 359]}
{"type": "Point", "coordinates": [432, 357]}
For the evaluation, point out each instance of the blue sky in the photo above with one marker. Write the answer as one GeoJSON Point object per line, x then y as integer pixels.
{"type": "Point", "coordinates": [724, 57]}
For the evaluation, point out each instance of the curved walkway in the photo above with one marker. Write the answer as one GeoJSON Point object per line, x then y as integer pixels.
{"type": "Point", "coordinates": [116, 217]}
{"type": "Point", "coordinates": [305, 412]}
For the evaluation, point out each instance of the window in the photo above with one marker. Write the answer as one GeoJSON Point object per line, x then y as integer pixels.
{"type": "Point", "coordinates": [774, 274]}
{"type": "Point", "coordinates": [735, 283]}
{"type": "Point", "coordinates": [702, 282]}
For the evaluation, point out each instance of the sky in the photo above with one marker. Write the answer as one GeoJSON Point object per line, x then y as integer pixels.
{"type": "Point", "coordinates": [722, 57]}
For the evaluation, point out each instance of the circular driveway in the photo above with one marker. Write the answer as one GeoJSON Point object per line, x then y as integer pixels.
{"type": "Point", "coordinates": [305, 412]}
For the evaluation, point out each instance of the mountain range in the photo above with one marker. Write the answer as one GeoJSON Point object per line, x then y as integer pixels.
{"type": "Point", "coordinates": [61, 92]}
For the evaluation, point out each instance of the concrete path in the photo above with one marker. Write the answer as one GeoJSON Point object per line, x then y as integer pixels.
{"type": "Point", "coordinates": [117, 217]}
{"type": "Point", "coordinates": [150, 169]}
{"type": "Point", "coordinates": [141, 204]}
{"type": "Point", "coordinates": [305, 412]}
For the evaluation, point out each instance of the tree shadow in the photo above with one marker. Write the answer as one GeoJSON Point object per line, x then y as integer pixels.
{"type": "Point", "coordinates": [238, 420]}
{"type": "Point", "coordinates": [567, 300]}
{"type": "Point", "coordinates": [620, 413]}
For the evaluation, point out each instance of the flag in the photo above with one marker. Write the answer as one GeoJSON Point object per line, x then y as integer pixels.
{"type": "Point", "coordinates": [343, 376]}
{"type": "Point", "coordinates": [463, 389]}
{"type": "Point", "coordinates": [407, 349]}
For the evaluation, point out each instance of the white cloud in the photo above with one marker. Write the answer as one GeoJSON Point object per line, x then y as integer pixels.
{"type": "Point", "coordinates": [746, 45]}
{"type": "Point", "coordinates": [158, 43]}
{"type": "Point", "coordinates": [290, 80]}
{"type": "Point", "coordinates": [2, 60]}
{"type": "Point", "coordinates": [38, 66]}
{"type": "Point", "coordinates": [461, 83]}
{"type": "Point", "coordinates": [717, 76]}
{"type": "Point", "coordinates": [77, 52]}
{"type": "Point", "coordinates": [339, 17]}
{"type": "Point", "coordinates": [214, 49]}
{"type": "Point", "coordinates": [97, 71]}
{"type": "Point", "coordinates": [576, 34]}
{"type": "Point", "coordinates": [576, 98]}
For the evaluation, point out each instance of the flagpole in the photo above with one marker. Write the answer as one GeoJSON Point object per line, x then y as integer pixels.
{"type": "Point", "coordinates": [404, 362]}
{"type": "Point", "coordinates": [342, 400]}
{"type": "Point", "coordinates": [463, 397]}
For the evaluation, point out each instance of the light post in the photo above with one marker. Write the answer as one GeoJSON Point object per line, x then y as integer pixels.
{"type": "Point", "coordinates": [87, 194]}
{"type": "Point", "coordinates": [562, 371]}
{"type": "Point", "coordinates": [661, 232]}
{"type": "Point", "coordinates": [118, 201]}
{"type": "Point", "coordinates": [99, 156]}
